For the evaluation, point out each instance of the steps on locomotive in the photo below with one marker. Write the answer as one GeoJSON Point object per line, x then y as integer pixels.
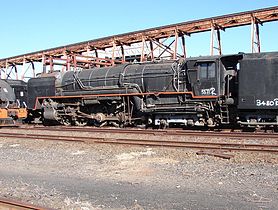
{"type": "Point", "coordinates": [224, 114]}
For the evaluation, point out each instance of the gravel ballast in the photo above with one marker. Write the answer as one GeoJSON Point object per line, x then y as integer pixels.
{"type": "Point", "coordinates": [69, 175]}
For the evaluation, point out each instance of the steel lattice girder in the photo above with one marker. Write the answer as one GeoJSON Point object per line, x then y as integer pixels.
{"type": "Point", "coordinates": [184, 28]}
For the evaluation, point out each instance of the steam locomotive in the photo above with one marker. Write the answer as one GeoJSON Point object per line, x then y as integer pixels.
{"type": "Point", "coordinates": [13, 94]}
{"type": "Point", "coordinates": [239, 89]}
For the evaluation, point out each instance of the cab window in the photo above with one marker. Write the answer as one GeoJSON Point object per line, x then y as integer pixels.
{"type": "Point", "coordinates": [206, 70]}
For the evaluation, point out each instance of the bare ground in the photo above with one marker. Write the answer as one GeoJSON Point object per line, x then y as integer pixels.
{"type": "Point", "coordinates": [64, 175]}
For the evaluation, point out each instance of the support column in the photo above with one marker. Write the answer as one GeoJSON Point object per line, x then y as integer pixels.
{"type": "Point", "coordinates": [33, 69]}
{"type": "Point", "coordinates": [68, 62]}
{"type": "Point", "coordinates": [219, 41]}
{"type": "Point", "coordinates": [74, 62]}
{"type": "Point", "coordinates": [215, 29]}
{"type": "Point", "coordinates": [143, 49]}
{"type": "Point", "coordinates": [43, 64]}
{"type": "Point", "coordinates": [96, 52]}
{"type": "Point", "coordinates": [212, 39]}
{"type": "Point", "coordinates": [6, 70]}
{"type": "Point", "coordinates": [255, 35]}
{"type": "Point", "coordinates": [88, 59]}
{"type": "Point", "coordinates": [123, 53]}
{"type": "Point", "coordinates": [51, 64]}
{"type": "Point", "coordinates": [183, 46]}
{"type": "Point", "coordinates": [152, 50]}
{"type": "Point", "coordinates": [176, 44]}
{"type": "Point", "coordinates": [23, 69]}
{"type": "Point", "coordinates": [113, 52]}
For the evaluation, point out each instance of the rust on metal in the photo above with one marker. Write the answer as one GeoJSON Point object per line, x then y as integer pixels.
{"type": "Point", "coordinates": [149, 40]}
{"type": "Point", "coordinates": [261, 136]}
{"type": "Point", "coordinates": [18, 205]}
{"type": "Point", "coordinates": [203, 145]}
{"type": "Point", "coordinates": [215, 153]}
{"type": "Point", "coordinates": [125, 95]}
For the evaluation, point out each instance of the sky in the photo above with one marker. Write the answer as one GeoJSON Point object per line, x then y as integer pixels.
{"type": "Point", "coordinates": [32, 25]}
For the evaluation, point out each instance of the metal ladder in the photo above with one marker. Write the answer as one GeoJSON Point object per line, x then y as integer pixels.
{"type": "Point", "coordinates": [224, 114]}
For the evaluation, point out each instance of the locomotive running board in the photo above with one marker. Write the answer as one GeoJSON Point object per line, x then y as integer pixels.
{"type": "Point", "coordinates": [128, 94]}
{"type": "Point", "coordinates": [257, 123]}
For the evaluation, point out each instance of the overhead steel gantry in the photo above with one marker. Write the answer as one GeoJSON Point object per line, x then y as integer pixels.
{"type": "Point", "coordinates": [162, 42]}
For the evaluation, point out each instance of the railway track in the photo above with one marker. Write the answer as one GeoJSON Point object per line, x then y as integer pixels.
{"type": "Point", "coordinates": [171, 132]}
{"type": "Point", "coordinates": [231, 146]}
{"type": "Point", "coordinates": [7, 204]}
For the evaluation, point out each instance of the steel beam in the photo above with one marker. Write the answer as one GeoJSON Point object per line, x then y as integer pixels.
{"type": "Point", "coordinates": [255, 35]}
{"type": "Point", "coordinates": [152, 51]}
{"type": "Point", "coordinates": [183, 46]}
{"type": "Point", "coordinates": [252, 18]}
{"type": "Point", "coordinates": [215, 30]}
{"type": "Point", "coordinates": [176, 44]}
{"type": "Point", "coordinates": [143, 49]}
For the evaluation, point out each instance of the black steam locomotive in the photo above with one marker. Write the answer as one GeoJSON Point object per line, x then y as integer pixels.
{"type": "Point", "coordinates": [13, 94]}
{"type": "Point", "coordinates": [238, 89]}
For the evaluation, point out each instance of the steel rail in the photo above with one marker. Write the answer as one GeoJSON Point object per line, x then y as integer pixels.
{"type": "Point", "coordinates": [273, 148]}
{"type": "Point", "coordinates": [18, 205]}
{"type": "Point", "coordinates": [155, 132]}
{"type": "Point", "coordinates": [185, 28]}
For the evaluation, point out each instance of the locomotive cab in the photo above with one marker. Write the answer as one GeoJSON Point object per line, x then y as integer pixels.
{"type": "Point", "coordinates": [203, 77]}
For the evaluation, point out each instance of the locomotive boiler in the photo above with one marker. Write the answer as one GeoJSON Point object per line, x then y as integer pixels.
{"type": "Point", "coordinates": [207, 91]}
